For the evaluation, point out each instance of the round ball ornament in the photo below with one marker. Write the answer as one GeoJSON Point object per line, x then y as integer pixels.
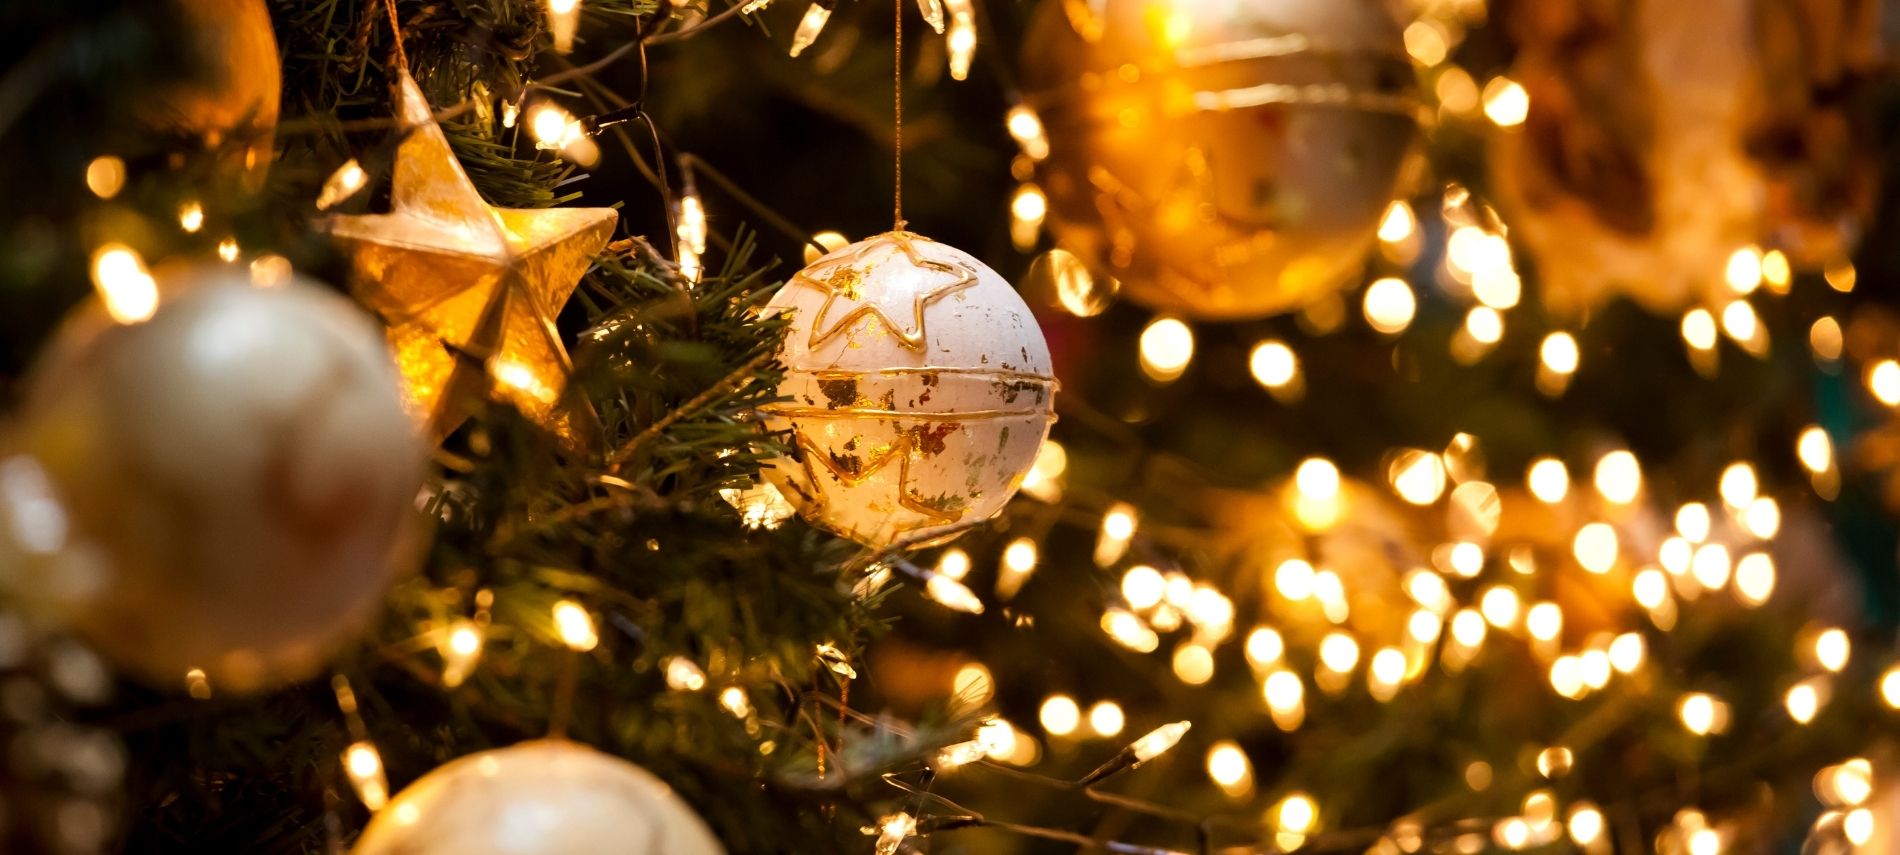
{"type": "Point", "coordinates": [917, 391]}
{"type": "Point", "coordinates": [232, 474]}
{"type": "Point", "coordinates": [547, 797]}
{"type": "Point", "coordinates": [229, 103]}
{"type": "Point", "coordinates": [1226, 160]}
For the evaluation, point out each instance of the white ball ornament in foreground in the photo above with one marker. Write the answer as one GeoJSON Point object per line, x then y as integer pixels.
{"type": "Point", "coordinates": [918, 391]}
{"type": "Point", "coordinates": [232, 473]}
{"type": "Point", "coordinates": [547, 797]}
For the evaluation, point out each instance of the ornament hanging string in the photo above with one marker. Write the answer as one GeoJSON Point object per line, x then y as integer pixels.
{"type": "Point", "coordinates": [395, 34]}
{"type": "Point", "coordinates": [897, 125]}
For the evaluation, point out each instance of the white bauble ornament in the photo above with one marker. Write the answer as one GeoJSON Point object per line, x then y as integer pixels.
{"type": "Point", "coordinates": [233, 471]}
{"type": "Point", "coordinates": [547, 797]}
{"type": "Point", "coordinates": [919, 391]}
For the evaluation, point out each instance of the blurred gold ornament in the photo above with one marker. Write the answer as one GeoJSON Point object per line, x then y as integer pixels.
{"type": "Point", "coordinates": [468, 289]}
{"type": "Point", "coordinates": [918, 391]}
{"type": "Point", "coordinates": [229, 105]}
{"type": "Point", "coordinates": [1222, 160]}
{"type": "Point", "coordinates": [546, 797]}
{"type": "Point", "coordinates": [219, 486]}
{"type": "Point", "coordinates": [1662, 138]}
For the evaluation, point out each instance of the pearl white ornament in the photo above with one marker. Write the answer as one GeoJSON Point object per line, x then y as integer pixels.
{"type": "Point", "coordinates": [546, 797]}
{"type": "Point", "coordinates": [229, 477]}
{"type": "Point", "coordinates": [919, 391]}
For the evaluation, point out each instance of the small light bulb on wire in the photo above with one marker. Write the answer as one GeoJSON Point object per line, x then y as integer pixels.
{"type": "Point", "coordinates": [809, 27]}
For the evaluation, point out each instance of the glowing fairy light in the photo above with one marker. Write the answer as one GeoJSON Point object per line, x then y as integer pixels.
{"type": "Point", "coordinates": [228, 249]}
{"type": "Point", "coordinates": [1824, 338]}
{"type": "Point", "coordinates": [1698, 329]}
{"type": "Point", "coordinates": [1738, 486]}
{"type": "Point", "coordinates": [1858, 826]}
{"type": "Point", "coordinates": [1424, 626]}
{"type": "Point", "coordinates": [691, 231]}
{"type": "Point", "coordinates": [961, 39]}
{"type": "Point", "coordinates": [952, 594]}
{"type": "Point", "coordinates": [1159, 741]}
{"type": "Point", "coordinates": [191, 217]}
{"type": "Point", "coordinates": [1426, 42]}
{"type": "Point", "coordinates": [1744, 273]}
{"type": "Point", "coordinates": [1390, 305]}
{"type": "Point", "coordinates": [1754, 578]}
{"type": "Point", "coordinates": [1229, 769]}
{"type": "Point", "coordinates": [1566, 677]}
{"type": "Point", "coordinates": [364, 766]}
{"type": "Point", "coordinates": [1468, 629]}
{"type": "Point", "coordinates": [1128, 630]}
{"type": "Point", "coordinates": [1619, 477]}
{"type": "Point", "coordinates": [1297, 814]}
{"type": "Point", "coordinates": [1803, 701]}
{"type": "Point", "coordinates": [1559, 353]}
{"type": "Point", "coordinates": [1317, 478]}
{"type": "Point", "coordinates": [1273, 364]}
{"type": "Point", "coordinates": [1294, 579]}
{"type": "Point", "coordinates": [1193, 664]}
{"type": "Point", "coordinates": [1883, 380]}
{"type": "Point", "coordinates": [682, 675]}
{"type": "Point", "coordinates": [829, 240]}
{"type": "Point", "coordinates": [809, 27]}
{"type": "Point", "coordinates": [733, 699]}
{"type": "Point", "coordinates": [1286, 698]}
{"type": "Point", "coordinates": [1815, 450]}
{"type": "Point", "coordinates": [1710, 566]}
{"type": "Point", "coordinates": [1585, 824]}
{"type": "Point", "coordinates": [1762, 517]}
{"type": "Point", "coordinates": [1702, 713]}
{"type": "Point", "coordinates": [575, 626]}
{"type": "Point", "coordinates": [1741, 323]}
{"type": "Point", "coordinates": [1627, 652]}
{"type": "Point", "coordinates": [1555, 762]}
{"type": "Point", "coordinates": [1500, 604]}
{"type": "Point", "coordinates": [1106, 718]}
{"type": "Point", "coordinates": [1019, 561]}
{"type": "Point", "coordinates": [1428, 590]}
{"type": "Point", "coordinates": [1548, 480]}
{"type": "Point", "coordinates": [1485, 325]}
{"type": "Point", "coordinates": [932, 10]}
{"type": "Point", "coordinates": [1118, 528]}
{"type": "Point", "coordinates": [1025, 127]}
{"type": "Point", "coordinates": [1385, 673]}
{"type": "Point", "coordinates": [1398, 223]}
{"type": "Point", "coordinates": [461, 648]}
{"type": "Point", "coordinates": [1338, 652]}
{"type": "Point", "coordinates": [1417, 476]}
{"type": "Point", "coordinates": [1044, 480]}
{"type": "Point", "coordinates": [761, 506]}
{"type": "Point", "coordinates": [1890, 687]}
{"type": "Point", "coordinates": [563, 19]}
{"type": "Point", "coordinates": [1831, 649]}
{"type": "Point", "coordinates": [105, 176]}
{"type": "Point", "coordinates": [342, 184]}
{"type": "Point", "coordinates": [128, 290]}
{"type": "Point", "coordinates": [1506, 103]}
{"type": "Point", "coordinates": [1595, 547]}
{"type": "Point", "coordinates": [1060, 715]}
{"type": "Point", "coordinates": [1775, 271]}
{"type": "Point", "coordinates": [1264, 647]}
{"type": "Point", "coordinates": [1027, 208]}
{"type": "Point", "coordinates": [1693, 521]}
{"type": "Point", "coordinates": [1840, 276]}
{"type": "Point", "coordinates": [1650, 588]}
{"type": "Point", "coordinates": [1167, 346]}
{"type": "Point", "coordinates": [1142, 587]}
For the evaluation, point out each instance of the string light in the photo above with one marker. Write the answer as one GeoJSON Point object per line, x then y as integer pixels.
{"type": "Point", "coordinates": [1193, 664]}
{"type": "Point", "coordinates": [1754, 578]}
{"type": "Point", "coordinates": [364, 765]}
{"type": "Point", "coordinates": [105, 176]}
{"type": "Point", "coordinates": [1019, 561]}
{"type": "Point", "coordinates": [1890, 687]}
{"type": "Point", "coordinates": [1426, 42]}
{"type": "Point", "coordinates": [682, 675]}
{"type": "Point", "coordinates": [829, 241]}
{"type": "Point", "coordinates": [124, 285]}
{"type": "Point", "coordinates": [691, 231]}
{"type": "Point", "coordinates": [1840, 275]}
{"type": "Point", "coordinates": [575, 626]}
{"type": "Point", "coordinates": [1286, 698]}
{"type": "Point", "coordinates": [1167, 346]}
{"type": "Point", "coordinates": [1738, 486]}
{"type": "Point", "coordinates": [1118, 528]}
{"type": "Point", "coordinates": [809, 27]}
{"type": "Point", "coordinates": [1264, 647]}
{"type": "Point", "coordinates": [1710, 566]}
{"type": "Point", "coordinates": [1027, 208]}
{"type": "Point", "coordinates": [1626, 652]}
{"type": "Point", "coordinates": [1129, 631]}
{"type": "Point", "coordinates": [1650, 588]}
{"type": "Point", "coordinates": [1803, 701]}
{"type": "Point", "coordinates": [1390, 305]}
{"type": "Point", "coordinates": [1158, 741]}
{"type": "Point", "coordinates": [1106, 718]}
{"type": "Point", "coordinates": [1548, 480]}
{"type": "Point", "coordinates": [563, 19]}
{"type": "Point", "coordinates": [1744, 271]}
{"type": "Point", "coordinates": [1385, 673]}
{"type": "Point", "coordinates": [228, 249]}
{"type": "Point", "coordinates": [1424, 626]}
{"type": "Point", "coordinates": [1506, 103]}
{"type": "Point", "coordinates": [1294, 579]}
{"type": "Point", "coordinates": [1059, 715]}
{"type": "Point", "coordinates": [1585, 824]}
{"type": "Point", "coordinates": [1698, 329]}
{"type": "Point", "coordinates": [1317, 478]}
{"type": "Point", "coordinates": [1775, 271]}
{"type": "Point", "coordinates": [1702, 714]}
{"type": "Point", "coordinates": [1744, 326]}
{"type": "Point", "coordinates": [1142, 587]}
{"type": "Point", "coordinates": [973, 684]}
{"type": "Point", "coordinates": [1229, 769]}
{"type": "Point", "coordinates": [1417, 476]}
{"type": "Point", "coordinates": [1595, 547]}
{"type": "Point", "coordinates": [962, 38]}
{"type": "Point", "coordinates": [1297, 814]}
{"type": "Point", "coordinates": [461, 647]}
{"type": "Point", "coordinates": [1499, 605]}
{"type": "Point", "coordinates": [1619, 477]}
{"type": "Point", "coordinates": [1044, 480]}
{"type": "Point", "coordinates": [191, 217]}
{"type": "Point", "coordinates": [1831, 649]}
{"type": "Point", "coordinates": [952, 594]}
{"type": "Point", "coordinates": [1273, 364]}
{"type": "Point", "coordinates": [1558, 359]}
{"type": "Point", "coordinates": [1883, 379]}
{"type": "Point", "coordinates": [1398, 223]}
{"type": "Point", "coordinates": [1026, 128]}
{"type": "Point", "coordinates": [1338, 652]}
{"type": "Point", "coordinates": [1824, 338]}
{"type": "Point", "coordinates": [1555, 762]}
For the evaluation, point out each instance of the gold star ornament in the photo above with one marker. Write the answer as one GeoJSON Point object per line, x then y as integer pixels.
{"type": "Point", "coordinates": [470, 291]}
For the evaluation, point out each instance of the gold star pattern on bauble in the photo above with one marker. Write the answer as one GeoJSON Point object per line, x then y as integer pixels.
{"type": "Point", "coordinates": [898, 303]}
{"type": "Point", "coordinates": [470, 291]}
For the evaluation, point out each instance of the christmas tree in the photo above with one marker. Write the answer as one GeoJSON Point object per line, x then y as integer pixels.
{"type": "Point", "coordinates": [626, 426]}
